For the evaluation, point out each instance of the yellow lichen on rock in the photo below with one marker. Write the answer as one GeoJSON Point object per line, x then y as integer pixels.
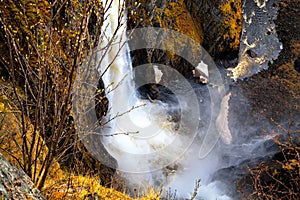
{"type": "Point", "coordinates": [176, 16]}
{"type": "Point", "coordinates": [173, 15]}
{"type": "Point", "coordinates": [232, 11]}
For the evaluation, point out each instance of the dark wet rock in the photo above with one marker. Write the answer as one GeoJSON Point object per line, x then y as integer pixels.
{"type": "Point", "coordinates": [287, 28]}
{"type": "Point", "coordinates": [269, 97]}
{"type": "Point", "coordinates": [15, 184]}
{"type": "Point", "coordinates": [150, 92]}
{"type": "Point", "coordinates": [297, 65]}
{"type": "Point", "coordinates": [101, 101]}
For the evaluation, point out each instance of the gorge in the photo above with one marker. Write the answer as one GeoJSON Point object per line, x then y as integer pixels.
{"type": "Point", "coordinates": [150, 148]}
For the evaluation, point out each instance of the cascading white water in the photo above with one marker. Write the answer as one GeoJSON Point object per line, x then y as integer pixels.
{"type": "Point", "coordinates": [133, 131]}
{"type": "Point", "coordinates": [141, 129]}
{"type": "Point", "coordinates": [145, 129]}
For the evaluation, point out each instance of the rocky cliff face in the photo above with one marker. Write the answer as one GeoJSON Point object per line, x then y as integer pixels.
{"type": "Point", "coordinates": [259, 44]}
{"type": "Point", "coordinates": [216, 25]}
{"type": "Point", "coordinates": [15, 184]}
{"type": "Point", "coordinates": [276, 92]}
{"type": "Point", "coordinates": [255, 31]}
{"type": "Point", "coordinates": [221, 22]}
{"type": "Point", "coordinates": [172, 15]}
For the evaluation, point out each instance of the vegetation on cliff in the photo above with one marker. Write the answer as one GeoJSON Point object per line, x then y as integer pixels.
{"type": "Point", "coordinates": [232, 11]}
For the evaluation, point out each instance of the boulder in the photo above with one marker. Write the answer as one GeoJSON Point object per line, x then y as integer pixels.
{"type": "Point", "coordinates": [15, 184]}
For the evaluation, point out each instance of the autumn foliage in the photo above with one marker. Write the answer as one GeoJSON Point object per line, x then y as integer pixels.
{"type": "Point", "coordinates": [280, 177]}
{"type": "Point", "coordinates": [42, 44]}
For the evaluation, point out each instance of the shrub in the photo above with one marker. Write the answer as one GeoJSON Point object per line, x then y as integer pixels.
{"type": "Point", "coordinates": [280, 177]}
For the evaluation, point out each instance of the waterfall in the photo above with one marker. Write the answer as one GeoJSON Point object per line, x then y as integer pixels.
{"type": "Point", "coordinates": [134, 122]}
{"type": "Point", "coordinates": [134, 144]}
{"type": "Point", "coordinates": [141, 130]}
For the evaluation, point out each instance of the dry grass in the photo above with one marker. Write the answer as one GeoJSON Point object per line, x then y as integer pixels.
{"type": "Point", "coordinates": [59, 184]}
